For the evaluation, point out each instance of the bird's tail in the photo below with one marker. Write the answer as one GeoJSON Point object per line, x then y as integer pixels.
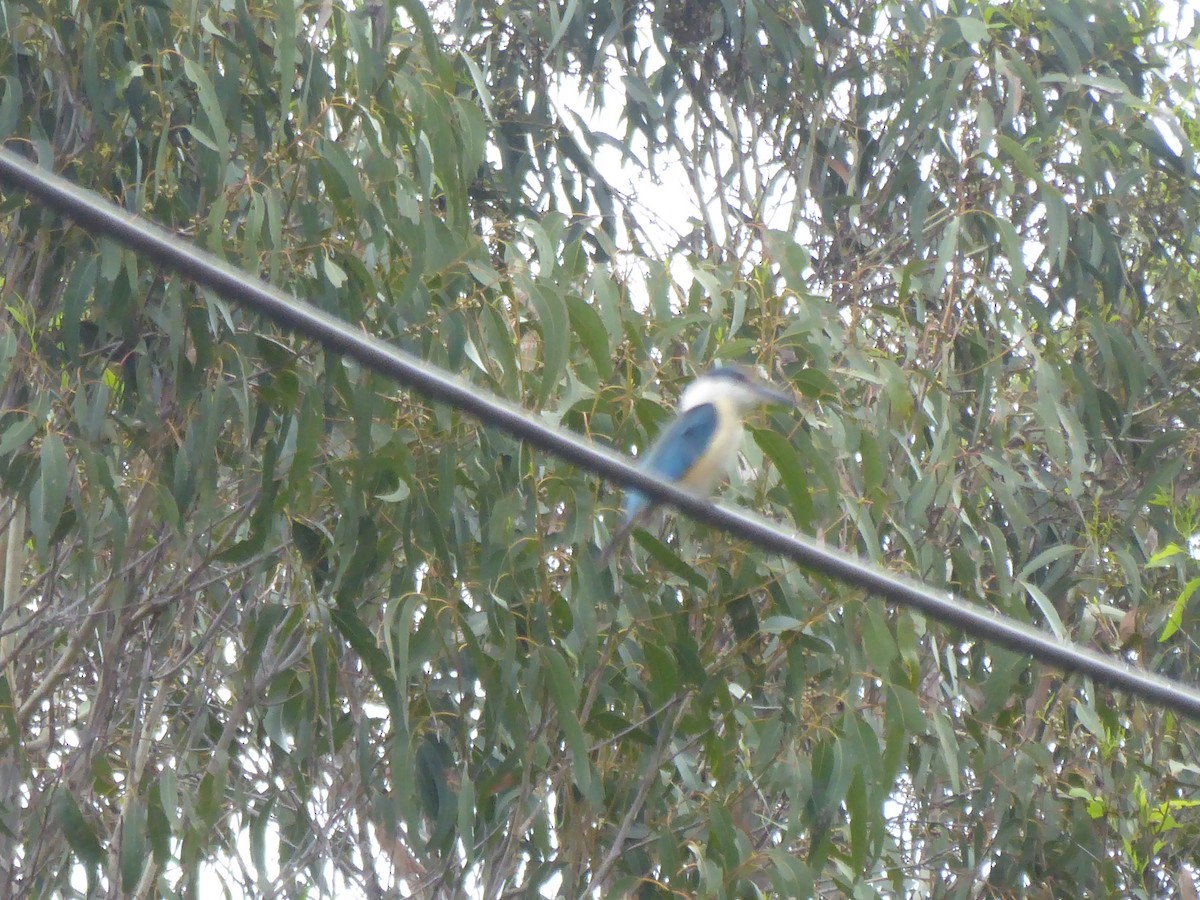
{"type": "Point", "coordinates": [618, 537]}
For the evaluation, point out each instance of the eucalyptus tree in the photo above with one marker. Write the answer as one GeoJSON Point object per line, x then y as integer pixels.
{"type": "Point", "coordinates": [272, 623]}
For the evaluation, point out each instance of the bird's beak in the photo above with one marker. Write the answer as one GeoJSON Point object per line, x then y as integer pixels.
{"type": "Point", "coordinates": [772, 394]}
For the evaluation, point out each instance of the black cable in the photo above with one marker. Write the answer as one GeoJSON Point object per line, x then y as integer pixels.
{"type": "Point", "coordinates": [214, 274]}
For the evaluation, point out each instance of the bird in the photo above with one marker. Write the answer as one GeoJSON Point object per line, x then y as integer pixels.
{"type": "Point", "coordinates": [700, 446]}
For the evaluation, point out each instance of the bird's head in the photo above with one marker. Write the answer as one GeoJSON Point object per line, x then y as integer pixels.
{"type": "Point", "coordinates": [740, 384]}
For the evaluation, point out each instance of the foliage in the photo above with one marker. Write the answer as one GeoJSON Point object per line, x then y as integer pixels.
{"type": "Point", "coordinates": [273, 624]}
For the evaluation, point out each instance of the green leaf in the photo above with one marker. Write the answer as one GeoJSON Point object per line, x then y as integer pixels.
{"type": "Point", "coordinates": [903, 707]}
{"type": "Point", "coordinates": [873, 464]}
{"type": "Point", "coordinates": [565, 15]}
{"type": "Point", "coordinates": [1088, 718]}
{"type": "Point", "coordinates": [786, 458]}
{"type": "Point", "coordinates": [947, 252]}
{"type": "Point", "coordinates": [564, 692]}
{"type": "Point", "coordinates": [1007, 670]}
{"type": "Point", "coordinates": [607, 303]}
{"type": "Point", "coordinates": [780, 624]}
{"type": "Point", "coordinates": [17, 434]}
{"type": "Point", "coordinates": [859, 810]}
{"type": "Point", "coordinates": [434, 762]}
{"type": "Point", "coordinates": [1014, 252]}
{"type": "Point", "coordinates": [1045, 558]}
{"type": "Point", "coordinates": [342, 178]}
{"type": "Point", "coordinates": [663, 672]}
{"type": "Point", "coordinates": [467, 801]}
{"type": "Point", "coordinates": [1058, 235]}
{"type": "Point", "coordinates": [158, 826]}
{"type": "Point", "coordinates": [49, 491]}
{"type": "Point", "coordinates": [948, 743]}
{"type": "Point", "coordinates": [360, 638]}
{"type": "Point", "coordinates": [974, 31]}
{"type": "Point", "coordinates": [133, 844]}
{"type": "Point", "coordinates": [479, 83]}
{"type": "Point", "coordinates": [258, 840]}
{"type": "Point", "coordinates": [79, 289]}
{"type": "Point", "coordinates": [586, 324]}
{"type": "Point", "coordinates": [790, 876]}
{"type": "Point", "coordinates": [1020, 158]}
{"type": "Point", "coordinates": [285, 53]}
{"type": "Point", "coordinates": [79, 834]}
{"type": "Point", "coordinates": [1175, 620]}
{"type": "Point", "coordinates": [1047, 608]}
{"type": "Point", "coordinates": [556, 338]}
{"type": "Point", "coordinates": [878, 640]}
{"type": "Point", "coordinates": [10, 105]}
{"type": "Point", "coordinates": [210, 795]}
{"type": "Point", "coordinates": [217, 136]}
{"type": "Point", "coordinates": [7, 710]}
{"type": "Point", "coordinates": [669, 559]}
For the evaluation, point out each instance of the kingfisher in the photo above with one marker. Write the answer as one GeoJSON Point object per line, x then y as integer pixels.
{"type": "Point", "coordinates": [700, 446]}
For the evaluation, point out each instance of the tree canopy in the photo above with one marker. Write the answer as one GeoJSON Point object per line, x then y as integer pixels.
{"type": "Point", "coordinates": [272, 624]}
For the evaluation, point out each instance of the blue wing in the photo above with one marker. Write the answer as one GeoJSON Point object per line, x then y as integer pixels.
{"type": "Point", "coordinates": [671, 456]}
{"type": "Point", "coordinates": [675, 452]}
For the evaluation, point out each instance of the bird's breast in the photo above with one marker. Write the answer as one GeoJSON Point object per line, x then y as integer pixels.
{"type": "Point", "coordinates": [714, 463]}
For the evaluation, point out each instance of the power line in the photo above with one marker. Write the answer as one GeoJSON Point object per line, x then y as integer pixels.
{"type": "Point", "coordinates": [210, 272]}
